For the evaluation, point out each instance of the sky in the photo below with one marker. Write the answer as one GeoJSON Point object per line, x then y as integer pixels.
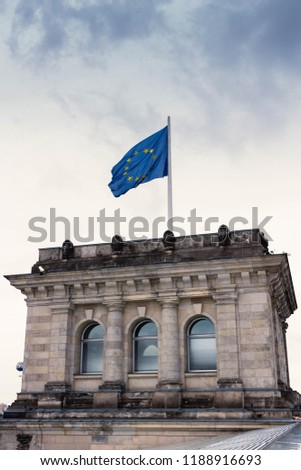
{"type": "Point", "coordinates": [82, 81]}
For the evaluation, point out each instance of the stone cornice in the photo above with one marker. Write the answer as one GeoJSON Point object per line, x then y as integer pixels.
{"type": "Point", "coordinates": [153, 282]}
{"type": "Point", "coordinates": [181, 268]}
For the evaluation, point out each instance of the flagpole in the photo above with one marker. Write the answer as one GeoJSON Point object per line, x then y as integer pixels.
{"type": "Point", "coordinates": [169, 179]}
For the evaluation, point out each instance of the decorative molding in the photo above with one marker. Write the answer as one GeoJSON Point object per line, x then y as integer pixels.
{"type": "Point", "coordinates": [168, 300]}
{"type": "Point", "coordinates": [62, 308]}
{"type": "Point", "coordinates": [281, 298]}
{"type": "Point", "coordinates": [24, 441]}
{"type": "Point", "coordinates": [141, 311]}
{"type": "Point", "coordinates": [197, 307]}
{"type": "Point", "coordinates": [223, 297]}
{"type": "Point", "coordinates": [89, 313]}
{"type": "Point", "coordinates": [114, 302]}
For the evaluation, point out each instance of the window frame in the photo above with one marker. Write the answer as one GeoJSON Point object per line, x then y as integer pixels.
{"type": "Point", "coordinates": [85, 341]}
{"type": "Point", "coordinates": [190, 336]}
{"type": "Point", "coordinates": [136, 339]}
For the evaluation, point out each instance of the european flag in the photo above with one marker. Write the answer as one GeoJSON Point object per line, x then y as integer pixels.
{"type": "Point", "coordinates": [144, 162]}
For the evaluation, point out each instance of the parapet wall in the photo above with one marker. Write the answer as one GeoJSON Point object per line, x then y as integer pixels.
{"type": "Point", "coordinates": [145, 252]}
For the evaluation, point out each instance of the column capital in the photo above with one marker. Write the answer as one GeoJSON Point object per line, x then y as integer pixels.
{"type": "Point", "coordinates": [225, 296]}
{"type": "Point", "coordinates": [62, 308]}
{"type": "Point", "coordinates": [114, 302]}
{"type": "Point", "coordinates": [166, 300]}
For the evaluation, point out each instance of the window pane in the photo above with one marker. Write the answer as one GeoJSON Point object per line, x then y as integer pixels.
{"type": "Point", "coordinates": [202, 354]}
{"type": "Point", "coordinates": [146, 355]}
{"type": "Point", "coordinates": [92, 357]}
{"type": "Point", "coordinates": [94, 332]}
{"type": "Point", "coordinates": [202, 327]}
{"type": "Point", "coordinates": [146, 329]}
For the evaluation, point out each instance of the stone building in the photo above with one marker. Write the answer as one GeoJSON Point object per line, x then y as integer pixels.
{"type": "Point", "coordinates": [182, 335]}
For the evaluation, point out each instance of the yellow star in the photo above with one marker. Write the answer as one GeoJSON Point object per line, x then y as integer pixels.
{"type": "Point", "coordinates": [136, 153]}
{"type": "Point", "coordinates": [130, 178]}
{"type": "Point", "coordinates": [151, 150]}
{"type": "Point", "coordinates": [126, 167]}
{"type": "Point", "coordinates": [137, 179]}
{"type": "Point", "coordinates": [125, 173]}
{"type": "Point", "coordinates": [154, 157]}
{"type": "Point", "coordinates": [129, 160]}
{"type": "Point", "coordinates": [143, 177]}
{"type": "Point", "coordinates": [145, 150]}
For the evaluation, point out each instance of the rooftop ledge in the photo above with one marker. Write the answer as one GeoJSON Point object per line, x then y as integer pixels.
{"type": "Point", "coordinates": [121, 253]}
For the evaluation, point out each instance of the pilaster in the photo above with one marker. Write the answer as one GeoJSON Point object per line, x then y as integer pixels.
{"type": "Point", "coordinates": [168, 394]}
{"type": "Point", "coordinates": [113, 372]}
{"type": "Point", "coordinates": [230, 392]}
{"type": "Point", "coordinates": [59, 361]}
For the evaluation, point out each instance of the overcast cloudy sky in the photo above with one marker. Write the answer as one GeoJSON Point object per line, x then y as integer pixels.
{"type": "Point", "coordinates": [82, 81]}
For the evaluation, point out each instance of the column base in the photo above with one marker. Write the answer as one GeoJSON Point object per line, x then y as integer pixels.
{"type": "Point", "coordinates": [168, 394]}
{"type": "Point", "coordinates": [230, 393]}
{"type": "Point", "coordinates": [62, 387]}
{"type": "Point", "coordinates": [114, 385]}
{"type": "Point", "coordinates": [108, 395]}
{"type": "Point", "coordinates": [54, 394]}
{"type": "Point", "coordinates": [50, 400]}
{"type": "Point", "coordinates": [167, 384]}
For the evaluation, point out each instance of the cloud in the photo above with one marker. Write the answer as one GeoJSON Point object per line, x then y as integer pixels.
{"type": "Point", "coordinates": [266, 32]}
{"type": "Point", "coordinates": [233, 66]}
{"type": "Point", "coordinates": [52, 29]}
{"type": "Point", "coordinates": [225, 33]}
{"type": "Point", "coordinates": [241, 61]}
{"type": "Point", "coordinates": [280, 40]}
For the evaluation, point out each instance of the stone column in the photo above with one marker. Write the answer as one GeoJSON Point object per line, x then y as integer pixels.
{"type": "Point", "coordinates": [284, 329]}
{"type": "Point", "coordinates": [168, 394]}
{"type": "Point", "coordinates": [227, 344]}
{"type": "Point", "coordinates": [113, 370]}
{"type": "Point", "coordinates": [60, 360]}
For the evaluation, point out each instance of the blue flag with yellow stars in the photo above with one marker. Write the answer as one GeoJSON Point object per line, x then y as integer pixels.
{"type": "Point", "coordinates": [144, 162]}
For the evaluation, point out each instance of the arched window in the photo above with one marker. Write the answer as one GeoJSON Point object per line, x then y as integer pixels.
{"type": "Point", "coordinates": [92, 349]}
{"type": "Point", "coordinates": [201, 345]}
{"type": "Point", "coordinates": [145, 347]}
